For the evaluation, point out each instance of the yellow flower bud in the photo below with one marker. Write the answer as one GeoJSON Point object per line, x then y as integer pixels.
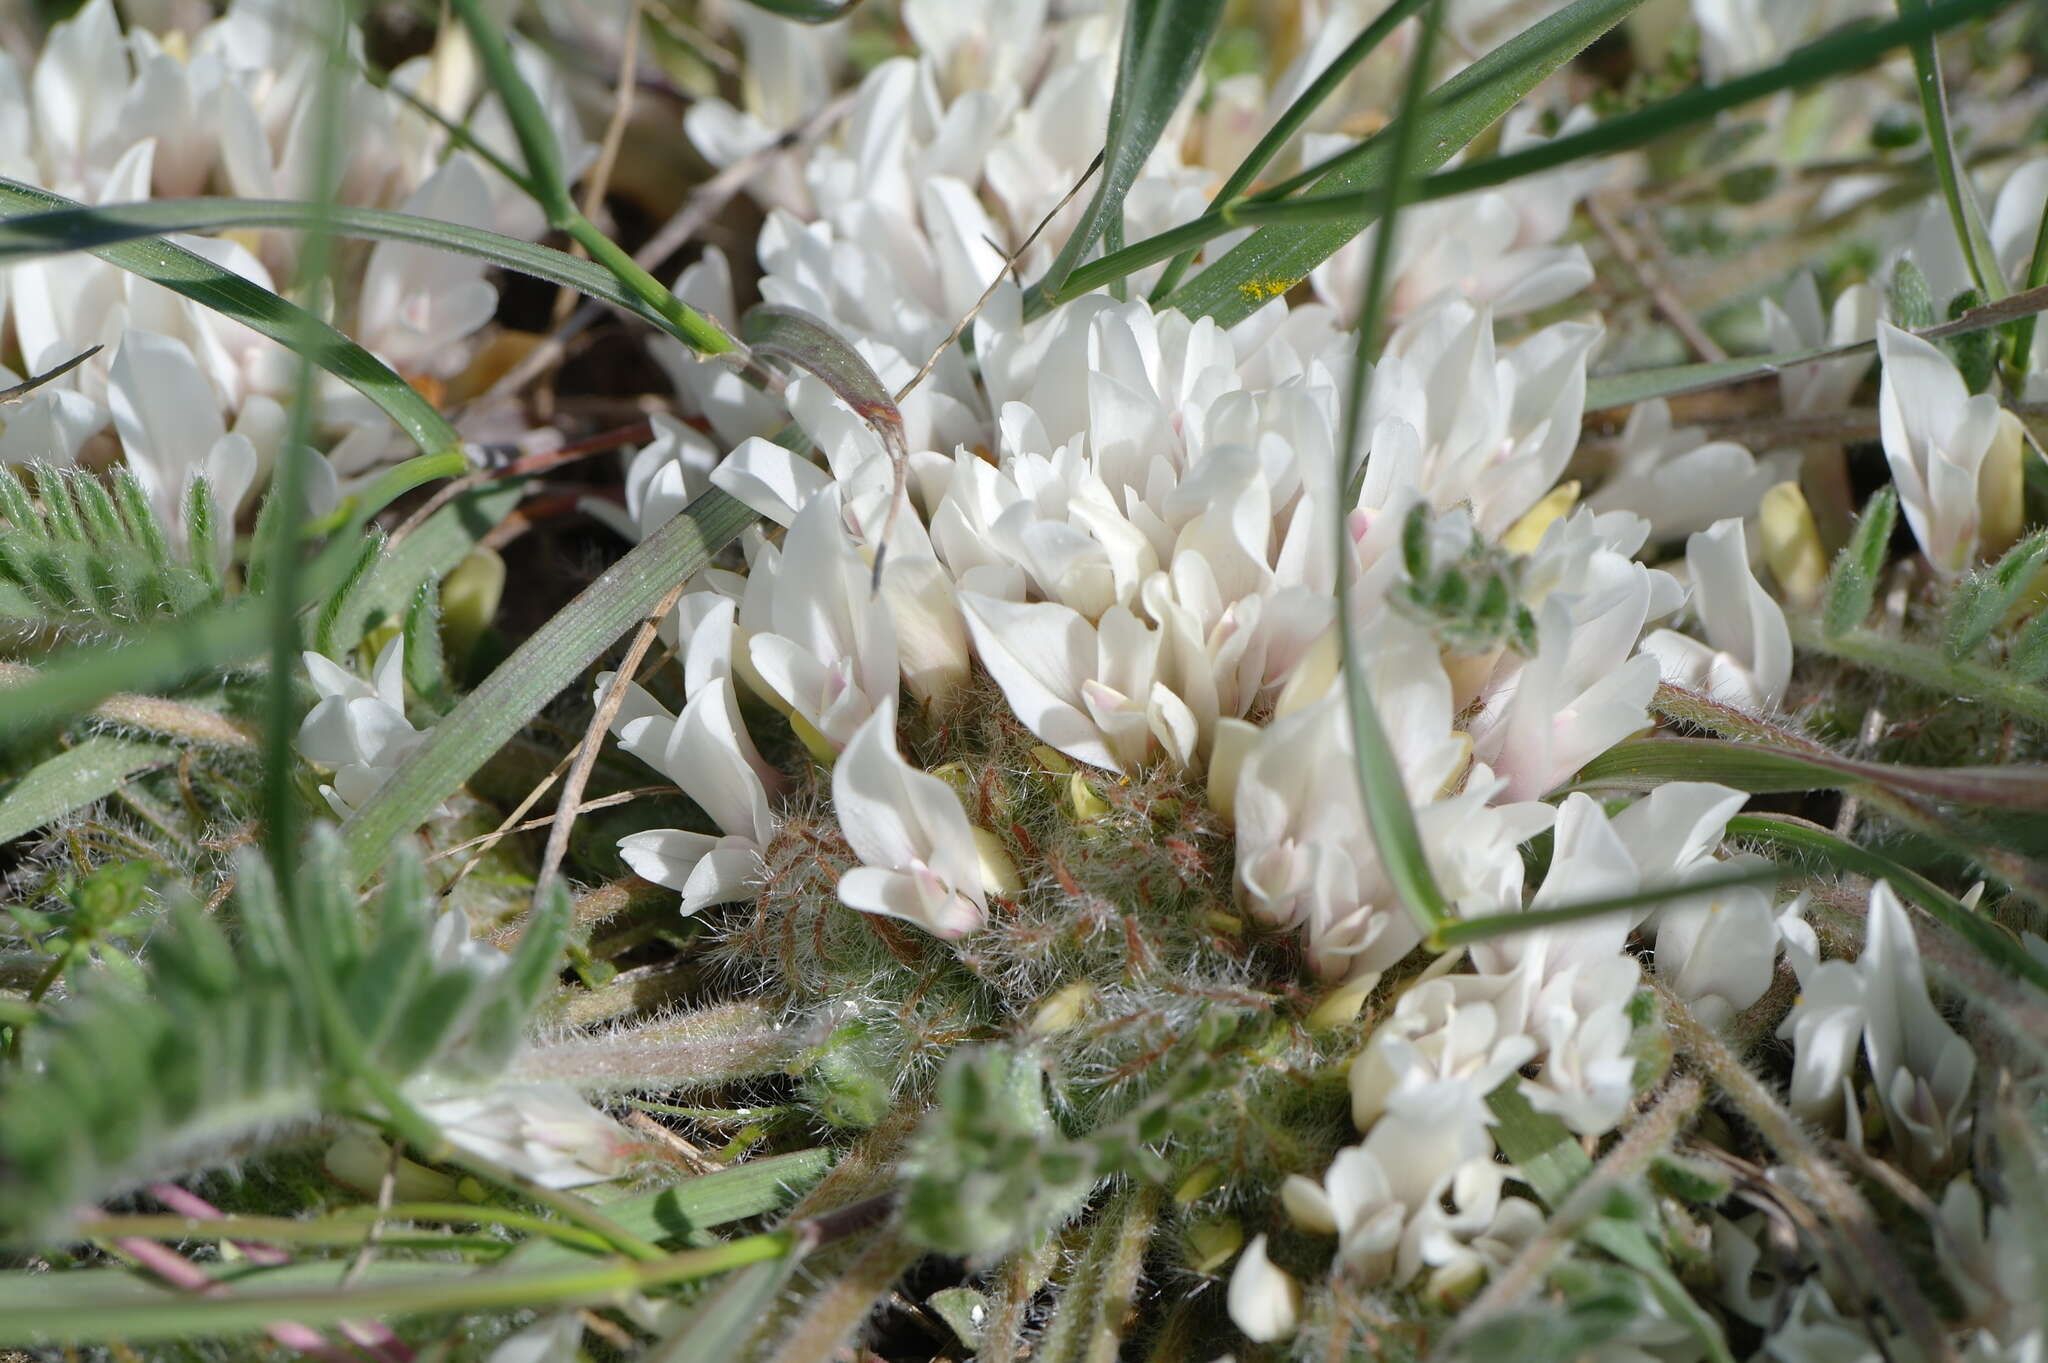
{"type": "Point", "coordinates": [469, 601]}
{"type": "Point", "coordinates": [1344, 1002]}
{"type": "Point", "coordinates": [1792, 544]}
{"type": "Point", "coordinates": [998, 872]}
{"type": "Point", "coordinates": [1212, 1244]}
{"type": "Point", "coordinates": [1525, 534]}
{"type": "Point", "coordinates": [2001, 486]}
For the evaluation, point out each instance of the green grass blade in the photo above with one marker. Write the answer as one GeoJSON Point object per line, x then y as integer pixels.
{"type": "Point", "coordinates": [1380, 786]}
{"type": "Point", "coordinates": [1644, 763]}
{"type": "Point", "coordinates": [1832, 56]}
{"type": "Point", "coordinates": [117, 1312]}
{"type": "Point", "coordinates": [1965, 214]}
{"type": "Point", "coordinates": [550, 187]}
{"type": "Point", "coordinates": [547, 663]}
{"type": "Point", "coordinates": [1273, 259]}
{"type": "Point", "coordinates": [1162, 48]}
{"type": "Point", "coordinates": [56, 232]}
{"type": "Point", "coordinates": [432, 551]}
{"type": "Point", "coordinates": [1640, 385]}
{"type": "Point", "coordinates": [1290, 122]}
{"type": "Point", "coordinates": [1296, 234]}
{"type": "Point", "coordinates": [1813, 843]}
{"type": "Point", "coordinates": [1513, 920]}
{"type": "Point", "coordinates": [74, 779]}
{"type": "Point", "coordinates": [807, 11]}
{"type": "Point", "coordinates": [227, 293]}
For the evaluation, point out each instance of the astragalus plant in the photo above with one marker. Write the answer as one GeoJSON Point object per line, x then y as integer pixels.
{"type": "Point", "coordinates": [1307, 680]}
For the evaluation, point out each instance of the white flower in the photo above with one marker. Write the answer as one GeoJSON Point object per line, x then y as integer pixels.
{"type": "Point", "coordinates": [917, 850]}
{"type": "Point", "coordinates": [172, 432]}
{"type": "Point", "coordinates": [548, 1339]}
{"type": "Point", "coordinates": [662, 477]}
{"type": "Point", "coordinates": [1922, 1069]}
{"type": "Point", "coordinates": [1092, 691]}
{"type": "Point", "coordinates": [1450, 420]}
{"type": "Point", "coordinates": [1824, 1027]}
{"type": "Point", "coordinates": [1355, 1203]}
{"type": "Point", "coordinates": [1577, 696]}
{"type": "Point", "coordinates": [1496, 247]}
{"type": "Point", "coordinates": [1936, 436]}
{"type": "Point", "coordinates": [1435, 1060]}
{"type": "Point", "coordinates": [1465, 1229]}
{"type": "Point", "coordinates": [1746, 660]}
{"type": "Point", "coordinates": [826, 646]}
{"type": "Point", "coordinates": [1677, 479]}
{"type": "Point", "coordinates": [1825, 385]}
{"type": "Point", "coordinates": [49, 426]}
{"type": "Point", "coordinates": [707, 752]}
{"type": "Point", "coordinates": [358, 728]}
{"type": "Point", "coordinates": [1264, 1301]}
{"type": "Point", "coordinates": [1737, 36]}
{"type": "Point", "coordinates": [542, 1130]}
{"type": "Point", "coordinates": [419, 303]}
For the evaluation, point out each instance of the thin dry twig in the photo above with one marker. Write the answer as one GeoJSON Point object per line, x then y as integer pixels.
{"type": "Point", "coordinates": [1652, 280]}
{"type": "Point", "coordinates": [602, 802]}
{"type": "Point", "coordinates": [567, 808]}
{"type": "Point", "coordinates": [1008, 265]}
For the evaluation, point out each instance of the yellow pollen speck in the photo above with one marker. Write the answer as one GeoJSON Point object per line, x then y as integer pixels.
{"type": "Point", "coordinates": [1262, 290]}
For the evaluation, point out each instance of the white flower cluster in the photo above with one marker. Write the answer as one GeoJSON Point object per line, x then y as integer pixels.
{"type": "Point", "coordinates": [1124, 519]}
{"type": "Point", "coordinates": [104, 115]}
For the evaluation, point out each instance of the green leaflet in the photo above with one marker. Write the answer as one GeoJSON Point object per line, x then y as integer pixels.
{"type": "Point", "coordinates": [545, 665]}
{"type": "Point", "coordinates": [1643, 763]}
{"type": "Point", "coordinates": [74, 779]}
{"type": "Point", "coordinates": [1162, 48]}
{"type": "Point", "coordinates": [227, 293]}
{"type": "Point", "coordinates": [1274, 259]}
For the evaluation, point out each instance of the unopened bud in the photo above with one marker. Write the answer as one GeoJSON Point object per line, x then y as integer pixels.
{"type": "Point", "coordinates": [2001, 488]}
{"type": "Point", "coordinates": [1792, 545]}
{"type": "Point", "coordinates": [1525, 534]}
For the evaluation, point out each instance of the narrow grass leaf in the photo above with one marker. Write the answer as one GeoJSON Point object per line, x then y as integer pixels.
{"type": "Point", "coordinates": [432, 551]}
{"type": "Point", "coordinates": [1163, 44]}
{"type": "Point", "coordinates": [549, 186]}
{"type": "Point", "coordinates": [1274, 259]}
{"type": "Point", "coordinates": [73, 779]}
{"type": "Point", "coordinates": [807, 11]}
{"type": "Point", "coordinates": [1292, 120]}
{"type": "Point", "coordinates": [1965, 214]}
{"type": "Point", "coordinates": [74, 229]}
{"type": "Point", "coordinates": [546, 664]}
{"type": "Point", "coordinates": [202, 281]}
{"type": "Point", "coordinates": [1381, 789]}
{"type": "Point", "coordinates": [1850, 50]}
{"type": "Point", "coordinates": [1513, 919]}
{"type": "Point", "coordinates": [1812, 843]}
{"type": "Point", "coordinates": [1644, 763]}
